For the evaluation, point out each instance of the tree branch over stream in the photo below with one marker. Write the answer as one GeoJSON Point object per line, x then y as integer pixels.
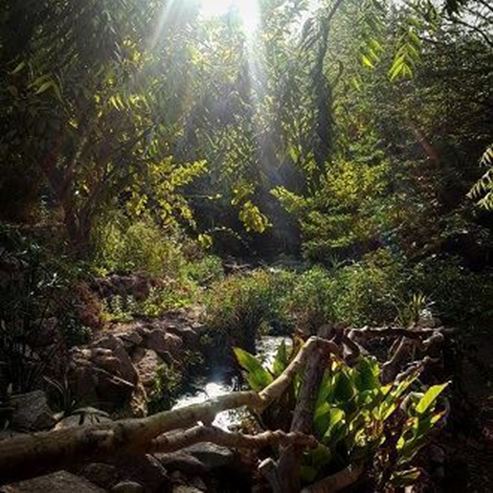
{"type": "Point", "coordinates": [34, 454]}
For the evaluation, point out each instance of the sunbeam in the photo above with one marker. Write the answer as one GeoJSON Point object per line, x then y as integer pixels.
{"type": "Point", "coordinates": [249, 11]}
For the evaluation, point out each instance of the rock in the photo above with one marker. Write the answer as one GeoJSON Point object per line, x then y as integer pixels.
{"type": "Point", "coordinates": [31, 412]}
{"type": "Point", "coordinates": [145, 470]}
{"type": "Point", "coordinates": [102, 475]}
{"type": "Point", "coordinates": [155, 340]}
{"type": "Point", "coordinates": [147, 368]}
{"type": "Point", "coordinates": [90, 383]}
{"type": "Point", "coordinates": [84, 416]}
{"type": "Point", "coordinates": [183, 488]}
{"type": "Point", "coordinates": [182, 462]}
{"type": "Point", "coordinates": [119, 363]}
{"type": "Point", "coordinates": [59, 482]}
{"type": "Point", "coordinates": [188, 335]}
{"type": "Point", "coordinates": [173, 342]}
{"type": "Point", "coordinates": [213, 456]}
{"type": "Point", "coordinates": [130, 339]}
{"type": "Point", "coordinates": [103, 374]}
{"type": "Point", "coordinates": [128, 487]}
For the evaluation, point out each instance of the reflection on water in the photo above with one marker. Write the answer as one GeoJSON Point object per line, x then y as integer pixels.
{"type": "Point", "coordinates": [266, 349]}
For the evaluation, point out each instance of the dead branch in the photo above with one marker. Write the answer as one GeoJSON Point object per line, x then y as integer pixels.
{"type": "Point", "coordinates": [372, 333]}
{"type": "Point", "coordinates": [287, 477]}
{"type": "Point", "coordinates": [177, 440]}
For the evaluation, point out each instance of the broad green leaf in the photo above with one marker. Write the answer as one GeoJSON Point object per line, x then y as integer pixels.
{"type": "Point", "coordinates": [281, 360]}
{"type": "Point", "coordinates": [256, 375]}
{"type": "Point", "coordinates": [343, 387]}
{"type": "Point", "coordinates": [430, 397]}
{"type": "Point", "coordinates": [367, 374]}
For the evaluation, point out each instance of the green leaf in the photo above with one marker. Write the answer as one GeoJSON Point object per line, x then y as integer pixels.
{"type": "Point", "coordinates": [308, 473]}
{"type": "Point", "coordinates": [367, 374]}
{"type": "Point", "coordinates": [256, 375]}
{"type": "Point", "coordinates": [430, 397]}
{"type": "Point", "coordinates": [343, 387]}
{"type": "Point", "coordinates": [18, 68]}
{"type": "Point", "coordinates": [337, 428]}
{"type": "Point", "coordinates": [281, 360]}
{"type": "Point", "coordinates": [367, 62]}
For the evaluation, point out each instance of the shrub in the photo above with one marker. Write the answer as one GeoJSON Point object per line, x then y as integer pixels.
{"type": "Point", "coordinates": [240, 306]}
{"type": "Point", "coordinates": [312, 299]}
{"type": "Point", "coordinates": [36, 298]}
{"type": "Point", "coordinates": [205, 270]}
{"type": "Point", "coordinates": [372, 290]}
{"type": "Point", "coordinates": [123, 246]}
{"type": "Point", "coordinates": [459, 295]}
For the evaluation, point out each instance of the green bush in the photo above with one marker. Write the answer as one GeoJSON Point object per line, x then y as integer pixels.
{"type": "Point", "coordinates": [459, 295]}
{"type": "Point", "coordinates": [240, 306]}
{"type": "Point", "coordinates": [311, 302]}
{"type": "Point", "coordinates": [141, 246]}
{"type": "Point", "coordinates": [36, 291]}
{"type": "Point", "coordinates": [384, 288]}
{"type": "Point", "coordinates": [205, 270]}
{"type": "Point", "coordinates": [372, 290]}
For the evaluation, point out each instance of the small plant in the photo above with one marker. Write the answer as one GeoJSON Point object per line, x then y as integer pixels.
{"type": "Point", "coordinates": [411, 312]}
{"type": "Point", "coordinates": [167, 385]}
{"type": "Point", "coordinates": [204, 271]}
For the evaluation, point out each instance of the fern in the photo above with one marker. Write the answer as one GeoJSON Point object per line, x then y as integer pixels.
{"type": "Point", "coordinates": [408, 51]}
{"type": "Point", "coordinates": [482, 191]}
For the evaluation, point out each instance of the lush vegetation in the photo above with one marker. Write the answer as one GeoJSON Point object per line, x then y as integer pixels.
{"type": "Point", "coordinates": [269, 168]}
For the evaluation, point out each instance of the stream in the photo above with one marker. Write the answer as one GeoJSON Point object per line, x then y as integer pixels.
{"type": "Point", "coordinates": [221, 383]}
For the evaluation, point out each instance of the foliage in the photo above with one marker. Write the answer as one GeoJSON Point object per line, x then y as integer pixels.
{"type": "Point", "coordinates": [484, 187]}
{"type": "Point", "coordinates": [359, 420]}
{"type": "Point", "coordinates": [124, 246]}
{"type": "Point", "coordinates": [167, 384]}
{"type": "Point", "coordinates": [241, 306]}
{"type": "Point", "coordinates": [204, 270]}
{"type": "Point", "coordinates": [35, 300]}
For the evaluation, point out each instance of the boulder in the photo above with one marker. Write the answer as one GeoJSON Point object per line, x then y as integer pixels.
{"type": "Point", "coordinates": [93, 384]}
{"type": "Point", "coordinates": [59, 482]}
{"type": "Point", "coordinates": [104, 374]}
{"type": "Point", "coordinates": [119, 362]}
{"type": "Point", "coordinates": [31, 412]}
